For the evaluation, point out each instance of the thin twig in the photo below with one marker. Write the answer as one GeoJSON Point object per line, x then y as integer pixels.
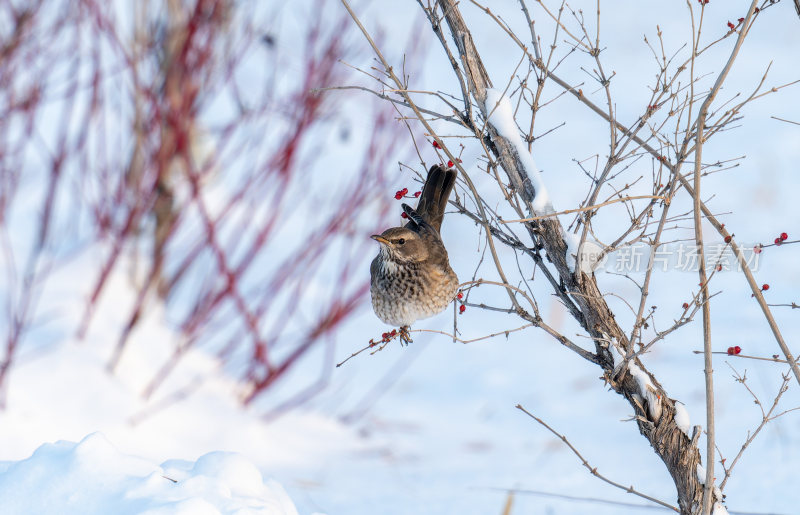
{"type": "Point", "coordinates": [745, 356]}
{"type": "Point", "coordinates": [765, 418]}
{"type": "Point", "coordinates": [593, 470]}
{"type": "Point", "coordinates": [783, 120]}
{"type": "Point", "coordinates": [505, 332]}
{"type": "Point", "coordinates": [587, 208]}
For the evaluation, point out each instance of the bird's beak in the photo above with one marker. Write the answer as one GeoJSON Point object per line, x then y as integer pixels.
{"type": "Point", "coordinates": [380, 239]}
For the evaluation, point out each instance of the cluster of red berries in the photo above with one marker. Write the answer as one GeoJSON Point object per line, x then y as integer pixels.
{"type": "Point", "coordinates": [732, 351]}
{"type": "Point", "coordinates": [780, 239]}
{"type": "Point", "coordinates": [462, 307]}
{"type": "Point", "coordinates": [399, 194]}
{"type": "Point", "coordinates": [436, 144]}
{"type": "Point", "coordinates": [385, 338]}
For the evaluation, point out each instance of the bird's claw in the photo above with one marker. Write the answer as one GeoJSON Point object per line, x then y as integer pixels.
{"type": "Point", "coordinates": [405, 336]}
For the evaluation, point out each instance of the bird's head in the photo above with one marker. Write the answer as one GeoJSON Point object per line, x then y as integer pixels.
{"type": "Point", "coordinates": [400, 244]}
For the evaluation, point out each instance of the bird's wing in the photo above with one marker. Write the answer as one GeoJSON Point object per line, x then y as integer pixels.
{"type": "Point", "coordinates": [373, 268]}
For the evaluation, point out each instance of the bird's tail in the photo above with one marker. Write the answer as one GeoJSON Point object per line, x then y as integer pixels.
{"type": "Point", "coordinates": [435, 193]}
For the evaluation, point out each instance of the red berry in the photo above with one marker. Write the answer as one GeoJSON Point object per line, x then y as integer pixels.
{"type": "Point", "coordinates": [719, 268]}
{"type": "Point", "coordinates": [404, 191]}
{"type": "Point", "coordinates": [462, 308]}
{"type": "Point", "coordinates": [740, 20]}
{"type": "Point", "coordinates": [784, 236]}
{"type": "Point", "coordinates": [403, 215]}
{"type": "Point", "coordinates": [757, 249]}
{"type": "Point", "coordinates": [731, 25]}
{"type": "Point", "coordinates": [778, 241]}
{"type": "Point", "coordinates": [398, 195]}
{"type": "Point", "coordinates": [417, 194]}
{"type": "Point", "coordinates": [460, 295]}
{"type": "Point", "coordinates": [727, 239]}
{"type": "Point", "coordinates": [449, 164]}
{"type": "Point", "coordinates": [765, 287]}
{"type": "Point", "coordinates": [737, 350]}
{"type": "Point", "coordinates": [384, 335]}
{"type": "Point", "coordinates": [436, 144]}
{"type": "Point", "coordinates": [685, 305]}
{"type": "Point", "coordinates": [730, 351]}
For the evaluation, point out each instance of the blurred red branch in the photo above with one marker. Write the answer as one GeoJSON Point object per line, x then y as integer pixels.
{"type": "Point", "coordinates": [195, 139]}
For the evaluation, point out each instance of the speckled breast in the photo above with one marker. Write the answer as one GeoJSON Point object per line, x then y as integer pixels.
{"type": "Point", "coordinates": [405, 293]}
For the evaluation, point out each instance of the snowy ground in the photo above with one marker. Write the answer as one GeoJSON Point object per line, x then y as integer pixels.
{"type": "Point", "coordinates": [430, 428]}
{"type": "Point", "coordinates": [93, 477]}
{"type": "Point", "coordinates": [444, 438]}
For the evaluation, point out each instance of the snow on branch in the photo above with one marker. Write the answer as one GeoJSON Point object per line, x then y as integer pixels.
{"type": "Point", "coordinates": [501, 116]}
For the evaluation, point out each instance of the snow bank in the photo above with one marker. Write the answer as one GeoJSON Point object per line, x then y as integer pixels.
{"type": "Point", "coordinates": [501, 116]}
{"type": "Point", "coordinates": [93, 477]}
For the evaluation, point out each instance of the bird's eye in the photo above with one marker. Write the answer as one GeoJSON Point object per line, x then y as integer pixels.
{"type": "Point", "coordinates": [401, 241]}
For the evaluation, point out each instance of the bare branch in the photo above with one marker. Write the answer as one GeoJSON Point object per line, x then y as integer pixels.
{"type": "Point", "coordinates": [593, 470]}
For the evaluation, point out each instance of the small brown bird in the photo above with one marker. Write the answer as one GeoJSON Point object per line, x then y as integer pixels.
{"type": "Point", "coordinates": [411, 275]}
